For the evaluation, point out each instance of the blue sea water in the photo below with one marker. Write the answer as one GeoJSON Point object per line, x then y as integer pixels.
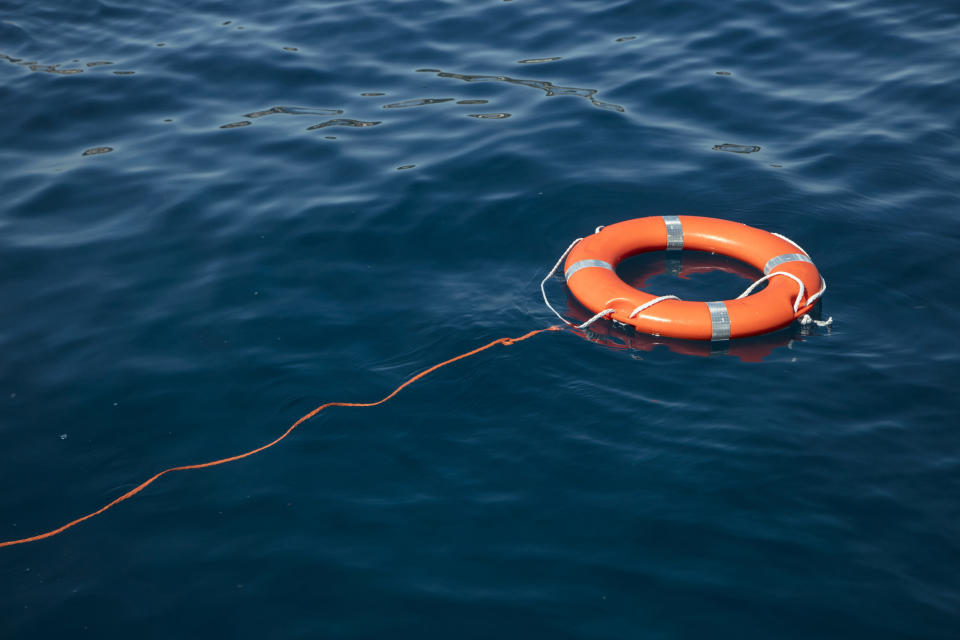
{"type": "Point", "coordinates": [217, 216]}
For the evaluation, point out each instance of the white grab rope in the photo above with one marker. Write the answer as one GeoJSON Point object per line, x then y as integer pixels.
{"type": "Point", "coordinates": [796, 303]}
{"type": "Point", "coordinates": [602, 314]}
{"type": "Point", "coordinates": [806, 319]}
{"type": "Point", "coordinates": [650, 303]}
{"type": "Point", "coordinates": [823, 283]}
{"type": "Point", "coordinates": [783, 237]}
{"type": "Point", "coordinates": [543, 283]}
{"type": "Point", "coordinates": [543, 291]}
{"type": "Point", "coordinates": [823, 287]}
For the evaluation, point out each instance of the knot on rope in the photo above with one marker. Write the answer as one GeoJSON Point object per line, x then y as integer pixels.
{"type": "Point", "coordinates": [806, 320]}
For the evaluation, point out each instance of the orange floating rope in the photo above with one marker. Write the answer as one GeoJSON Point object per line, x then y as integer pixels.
{"type": "Point", "coordinates": [146, 483]}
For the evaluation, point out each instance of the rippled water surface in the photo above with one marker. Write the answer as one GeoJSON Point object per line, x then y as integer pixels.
{"type": "Point", "coordinates": [217, 216]}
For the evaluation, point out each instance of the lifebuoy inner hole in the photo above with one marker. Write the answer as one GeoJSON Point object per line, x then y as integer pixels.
{"type": "Point", "coordinates": [690, 275]}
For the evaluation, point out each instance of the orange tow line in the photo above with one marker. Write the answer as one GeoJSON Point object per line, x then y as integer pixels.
{"type": "Point", "coordinates": [146, 483]}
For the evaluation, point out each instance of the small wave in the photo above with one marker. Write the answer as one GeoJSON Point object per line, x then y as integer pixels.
{"type": "Point", "coordinates": [548, 87]}
{"type": "Point", "coordinates": [297, 111]}
{"type": "Point", "coordinates": [736, 148]}
{"type": "Point", "coordinates": [416, 103]}
{"type": "Point", "coordinates": [539, 60]}
{"type": "Point", "coordinates": [40, 67]}
{"type": "Point", "coordinates": [343, 122]}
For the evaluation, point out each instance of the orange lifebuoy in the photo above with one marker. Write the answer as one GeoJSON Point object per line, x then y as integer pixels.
{"type": "Point", "coordinates": [590, 272]}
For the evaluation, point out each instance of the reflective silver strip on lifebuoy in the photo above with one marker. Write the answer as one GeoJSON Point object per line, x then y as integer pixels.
{"type": "Point", "coordinates": [785, 257]}
{"type": "Point", "coordinates": [720, 321]}
{"type": "Point", "coordinates": [674, 232]}
{"type": "Point", "coordinates": [583, 264]}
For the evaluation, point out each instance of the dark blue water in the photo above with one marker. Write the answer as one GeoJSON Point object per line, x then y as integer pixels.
{"type": "Point", "coordinates": [217, 216]}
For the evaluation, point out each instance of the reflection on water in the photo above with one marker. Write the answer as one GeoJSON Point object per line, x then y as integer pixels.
{"type": "Point", "coordinates": [97, 151]}
{"type": "Point", "coordinates": [39, 67]}
{"type": "Point", "coordinates": [343, 122]}
{"type": "Point", "coordinates": [538, 60]}
{"type": "Point", "coordinates": [548, 87]}
{"type": "Point", "coordinates": [416, 103]}
{"type": "Point", "coordinates": [736, 148]}
{"type": "Point", "coordinates": [753, 349]}
{"type": "Point", "coordinates": [52, 68]}
{"type": "Point", "coordinates": [297, 111]}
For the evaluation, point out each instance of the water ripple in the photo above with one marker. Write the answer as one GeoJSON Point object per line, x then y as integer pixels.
{"type": "Point", "coordinates": [538, 60]}
{"type": "Point", "coordinates": [547, 87]}
{"type": "Point", "coordinates": [56, 69]}
{"type": "Point", "coordinates": [343, 122]}
{"type": "Point", "coordinates": [736, 148]}
{"type": "Point", "coordinates": [416, 103]}
{"type": "Point", "coordinates": [297, 111]}
{"type": "Point", "coordinates": [97, 151]}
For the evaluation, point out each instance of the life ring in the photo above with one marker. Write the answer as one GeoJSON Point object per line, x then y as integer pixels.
{"type": "Point", "coordinates": [590, 272]}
